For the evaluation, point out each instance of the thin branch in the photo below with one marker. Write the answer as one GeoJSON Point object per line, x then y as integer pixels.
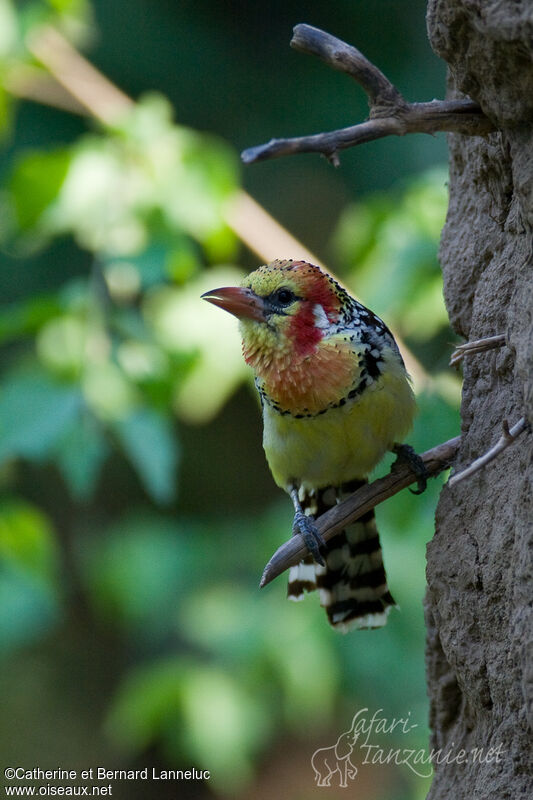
{"type": "Point", "coordinates": [477, 346]}
{"type": "Point", "coordinates": [32, 83]}
{"type": "Point", "coordinates": [506, 439]}
{"type": "Point", "coordinates": [390, 114]}
{"type": "Point", "coordinates": [346, 58]}
{"type": "Point", "coordinates": [262, 233]}
{"type": "Point", "coordinates": [78, 76]}
{"type": "Point", "coordinates": [363, 500]}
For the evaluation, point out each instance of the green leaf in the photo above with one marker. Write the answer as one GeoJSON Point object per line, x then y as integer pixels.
{"type": "Point", "coordinates": [395, 238]}
{"type": "Point", "coordinates": [138, 572]}
{"type": "Point", "coordinates": [193, 711]}
{"type": "Point", "coordinates": [28, 608]}
{"type": "Point", "coordinates": [27, 539]}
{"type": "Point", "coordinates": [34, 412]}
{"type": "Point", "coordinates": [150, 444]}
{"type": "Point", "coordinates": [26, 317]}
{"type": "Point", "coordinates": [68, 6]}
{"type": "Point", "coordinates": [35, 183]}
{"type": "Point", "coordinates": [28, 570]}
{"type": "Point", "coordinates": [80, 454]}
{"type": "Point", "coordinates": [6, 114]}
{"type": "Point", "coordinates": [223, 724]}
{"type": "Point", "coordinates": [8, 29]}
{"type": "Point", "coordinates": [148, 700]}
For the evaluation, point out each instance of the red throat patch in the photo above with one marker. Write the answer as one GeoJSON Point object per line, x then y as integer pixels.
{"type": "Point", "coordinates": [304, 332]}
{"type": "Point", "coordinates": [303, 329]}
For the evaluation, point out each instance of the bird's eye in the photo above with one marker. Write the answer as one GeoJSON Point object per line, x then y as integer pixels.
{"type": "Point", "coordinates": [283, 297]}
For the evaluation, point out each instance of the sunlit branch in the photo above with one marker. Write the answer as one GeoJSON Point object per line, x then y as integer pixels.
{"type": "Point", "coordinates": [85, 83]}
{"type": "Point", "coordinates": [262, 233]}
{"type": "Point", "coordinates": [32, 83]}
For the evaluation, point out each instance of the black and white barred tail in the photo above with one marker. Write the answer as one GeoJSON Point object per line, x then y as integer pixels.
{"type": "Point", "coordinates": [352, 585]}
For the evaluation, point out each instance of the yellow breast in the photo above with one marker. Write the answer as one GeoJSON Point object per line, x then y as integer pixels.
{"type": "Point", "coordinates": [344, 442]}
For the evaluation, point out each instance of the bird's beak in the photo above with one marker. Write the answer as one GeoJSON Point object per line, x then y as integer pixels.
{"type": "Point", "coordinates": [239, 301]}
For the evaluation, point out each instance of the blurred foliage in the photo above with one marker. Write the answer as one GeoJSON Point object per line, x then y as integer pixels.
{"type": "Point", "coordinates": [392, 237]}
{"type": "Point", "coordinates": [106, 373]}
{"type": "Point", "coordinates": [29, 574]}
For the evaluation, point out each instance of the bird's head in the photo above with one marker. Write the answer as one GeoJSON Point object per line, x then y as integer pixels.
{"type": "Point", "coordinates": [285, 309]}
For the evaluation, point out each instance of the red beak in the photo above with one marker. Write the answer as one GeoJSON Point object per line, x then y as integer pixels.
{"type": "Point", "coordinates": [241, 302]}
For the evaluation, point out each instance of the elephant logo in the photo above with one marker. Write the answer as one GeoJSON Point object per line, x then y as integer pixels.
{"type": "Point", "coordinates": [326, 761]}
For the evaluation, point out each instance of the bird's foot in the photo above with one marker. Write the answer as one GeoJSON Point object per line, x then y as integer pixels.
{"type": "Point", "coordinates": [306, 528]}
{"type": "Point", "coordinates": [406, 454]}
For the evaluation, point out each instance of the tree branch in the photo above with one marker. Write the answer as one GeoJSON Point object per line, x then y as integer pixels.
{"type": "Point", "coordinates": [79, 77]}
{"type": "Point", "coordinates": [358, 504]}
{"type": "Point", "coordinates": [390, 114]}
{"type": "Point", "coordinates": [506, 439]}
{"type": "Point", "coordinates": [346, 58]}
{"type": "Point", "coordinates": [477, 346]}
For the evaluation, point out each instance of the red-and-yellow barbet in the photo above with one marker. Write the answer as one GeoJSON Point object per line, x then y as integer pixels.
{"type": "Point", "coordinates": [336, 397]}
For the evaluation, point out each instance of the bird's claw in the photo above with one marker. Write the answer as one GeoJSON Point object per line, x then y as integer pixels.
{"type": "Point", "coordinates": [306, 528]}
{"type": "Point", "coordinates": [407, 454]}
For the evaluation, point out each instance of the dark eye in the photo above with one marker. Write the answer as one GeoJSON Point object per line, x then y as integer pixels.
{"type": "Point", "coordinates": [283, 297]}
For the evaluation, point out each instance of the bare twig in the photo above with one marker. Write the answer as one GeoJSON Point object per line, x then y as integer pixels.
{"type": "Point", "coordinates": [477, 346]}
{"type": "Point", "coordinates": [359, 503]}
{"type": "Point", "coordinates": [390, 114]}
{"type": "Point", "coordinates": [507, 438]}
{"type": "Point", "coordinates": [346, 58]}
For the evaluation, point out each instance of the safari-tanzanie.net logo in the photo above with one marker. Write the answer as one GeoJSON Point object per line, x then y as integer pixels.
{"type": "Point", "coordinates": [365, 742]}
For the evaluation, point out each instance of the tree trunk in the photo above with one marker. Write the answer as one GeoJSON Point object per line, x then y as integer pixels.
{"type": "Point", "coordinates": [479, 570]}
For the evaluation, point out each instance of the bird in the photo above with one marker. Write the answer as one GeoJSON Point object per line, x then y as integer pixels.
{"type": "Point", "coordinates": [335, 397]}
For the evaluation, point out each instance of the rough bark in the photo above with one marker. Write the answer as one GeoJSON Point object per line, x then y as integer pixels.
{"type": "Point", "coordinates": [479, 570]}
